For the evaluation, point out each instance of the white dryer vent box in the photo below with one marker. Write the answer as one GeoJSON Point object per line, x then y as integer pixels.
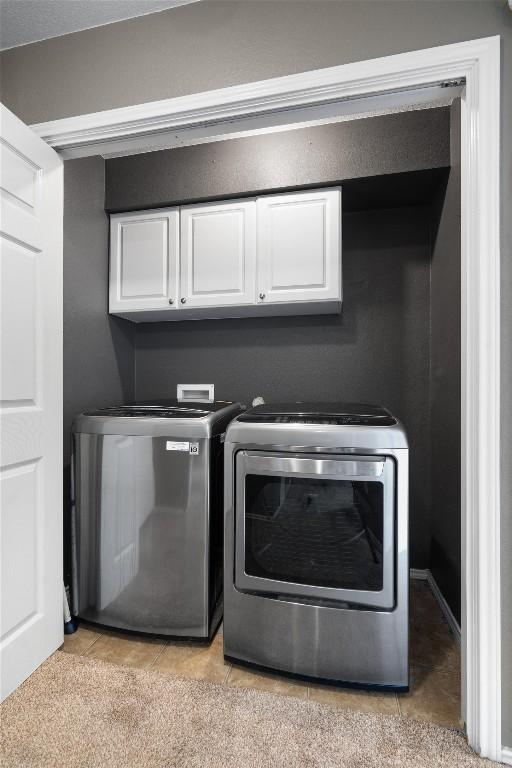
{"type": "Point", "coordinates": [196, 393]}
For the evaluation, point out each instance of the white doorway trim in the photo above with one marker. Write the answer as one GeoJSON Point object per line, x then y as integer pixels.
{"type": "Point", "coordinates": [390, 81]}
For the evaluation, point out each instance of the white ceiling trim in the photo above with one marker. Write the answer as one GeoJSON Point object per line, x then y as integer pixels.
{"type": "Point", "coordinates": [286, 120]}
{"type": "Point", "coordinates": [144, 135]}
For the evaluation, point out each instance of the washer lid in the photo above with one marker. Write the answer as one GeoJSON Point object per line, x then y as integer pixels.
{"type": "Point", "coordinates": [161, 409]}
{"type": "Point", "coordinates": [340, 414]}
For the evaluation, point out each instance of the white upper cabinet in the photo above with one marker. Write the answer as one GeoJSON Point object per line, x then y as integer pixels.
{"type": "Point", "coordinates": [299, 247]}
{"type": "Point", "coordinates": [144, 260]}
{"type": "Point", "coordinates": [274, 255]}
{"type": "Point", "coordinates": [218, 251]}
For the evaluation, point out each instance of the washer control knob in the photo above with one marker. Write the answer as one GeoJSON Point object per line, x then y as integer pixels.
{"type": "Point", "coordinates": [183, 300]}
{"type": "Point", "coordinates": [262, 296]}
{"type": "Point", "coordinates": [171, 301]}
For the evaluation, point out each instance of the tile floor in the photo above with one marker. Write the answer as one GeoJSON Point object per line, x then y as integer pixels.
{"type": "Point", "coordinates": [435, 666]}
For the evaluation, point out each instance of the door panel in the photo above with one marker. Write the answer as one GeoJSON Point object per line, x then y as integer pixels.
{"type": "Point", "coordinates": [21, 508]}
{"type": "Point", "coordinates": [299, 246]}
{"type": "Point", "coordinates": [20, 185]}
{"type": "Point", "coordinates": [218, 254]}
{"type": "Point", "coordinates": [19, 302]}
{"type": "Point", "coordinates": [294, 229]}
{"type": "Point", "coordinates": [30, 402]}
{"type": "Point", "coordinates": [144, 260]}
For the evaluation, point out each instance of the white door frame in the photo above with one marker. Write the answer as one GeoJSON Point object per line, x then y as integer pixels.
{"type": "Point", "coordinates": [392, 80]}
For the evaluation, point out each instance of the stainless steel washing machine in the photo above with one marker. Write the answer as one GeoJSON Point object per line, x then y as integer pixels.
{"type": "Point", "coordinates": [316, 567]}
{"type": "Point", "coordinates": [147, 516]}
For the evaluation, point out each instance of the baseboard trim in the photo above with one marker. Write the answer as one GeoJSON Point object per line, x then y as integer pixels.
{"type": "Point", "coordinates": [426, 575]}
{"type": "Point", "coordinates": [419, 573]}
{"type": "Point", "coordinates": [506, 755]}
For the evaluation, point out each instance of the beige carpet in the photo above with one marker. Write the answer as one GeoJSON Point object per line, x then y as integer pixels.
{"type": "Point", "coordinates": [77, 712]}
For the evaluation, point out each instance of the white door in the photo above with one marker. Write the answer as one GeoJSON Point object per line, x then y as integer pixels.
{"type": "Point", "coordinates": [299, 246]}
{"type": "Point", "coordinates": [31, 188]}
{"type": "Point", "coordinates": [218, 247]}
{"type": "Point", "coordinates": [144, 260]}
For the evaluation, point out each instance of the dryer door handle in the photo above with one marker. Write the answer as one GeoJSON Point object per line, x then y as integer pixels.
{"type": "Point", "coordinates": [346, 466]}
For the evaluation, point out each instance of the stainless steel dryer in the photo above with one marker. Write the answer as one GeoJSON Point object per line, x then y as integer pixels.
{"type": "Point", "coordinates": [316, 572]}
{"type": "Point", "coordinates": [147, 516]}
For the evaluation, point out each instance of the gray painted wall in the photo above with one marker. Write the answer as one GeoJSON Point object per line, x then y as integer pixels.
{"type": "Point", "coordinates": [214, 44]}
{"type": "Point", "coordinates": [322, 154]}
{"type": "Point", "coordinates": [445, 378]}
{"type": "Point", "coordinates": [98, 349]}
{"type": "Point", "coordinates": [379, 349]}
{"type": "Point", "coordinates": [376, 351]}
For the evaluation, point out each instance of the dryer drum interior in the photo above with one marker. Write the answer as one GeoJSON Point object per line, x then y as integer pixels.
{"type": "Point", "coordinates": [315, 532]}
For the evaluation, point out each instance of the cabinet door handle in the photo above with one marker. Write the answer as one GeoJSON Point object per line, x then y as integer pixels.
{"type": "Point", "coordinates": [171, 301]}
{"type": "Point", "coordinates": [262, 296]}
{"type": "Point", "coordinates": [183, 300]}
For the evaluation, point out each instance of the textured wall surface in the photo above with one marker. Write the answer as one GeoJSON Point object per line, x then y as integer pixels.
{"type": "Point", "coordinates": [322, 154]}
{"type": "Point", "coordinates": [215, 44]}
{"type": "Point", "coordinates": [445, 378]}
{"type": "Point", "coordinates": [376, 351]}
{"type": "Point", "coordinates": [323, 355]}
{"type": "Point", "coordinates": [98, 349]}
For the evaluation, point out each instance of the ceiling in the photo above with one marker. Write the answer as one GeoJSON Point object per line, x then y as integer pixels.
{"type": "Point", "coordinates": [28, 21]}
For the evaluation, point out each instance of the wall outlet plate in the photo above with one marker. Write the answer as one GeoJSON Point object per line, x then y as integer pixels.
{"type": "Point", "coordinates": [196, 393]}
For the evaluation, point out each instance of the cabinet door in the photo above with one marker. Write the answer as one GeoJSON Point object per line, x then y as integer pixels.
{"type": "Point", "coordinates": [299, 246]}
{"type": "Point", "coordinates": [218, 246]}
{"type": "Point", "coordinates": [144, 260]}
